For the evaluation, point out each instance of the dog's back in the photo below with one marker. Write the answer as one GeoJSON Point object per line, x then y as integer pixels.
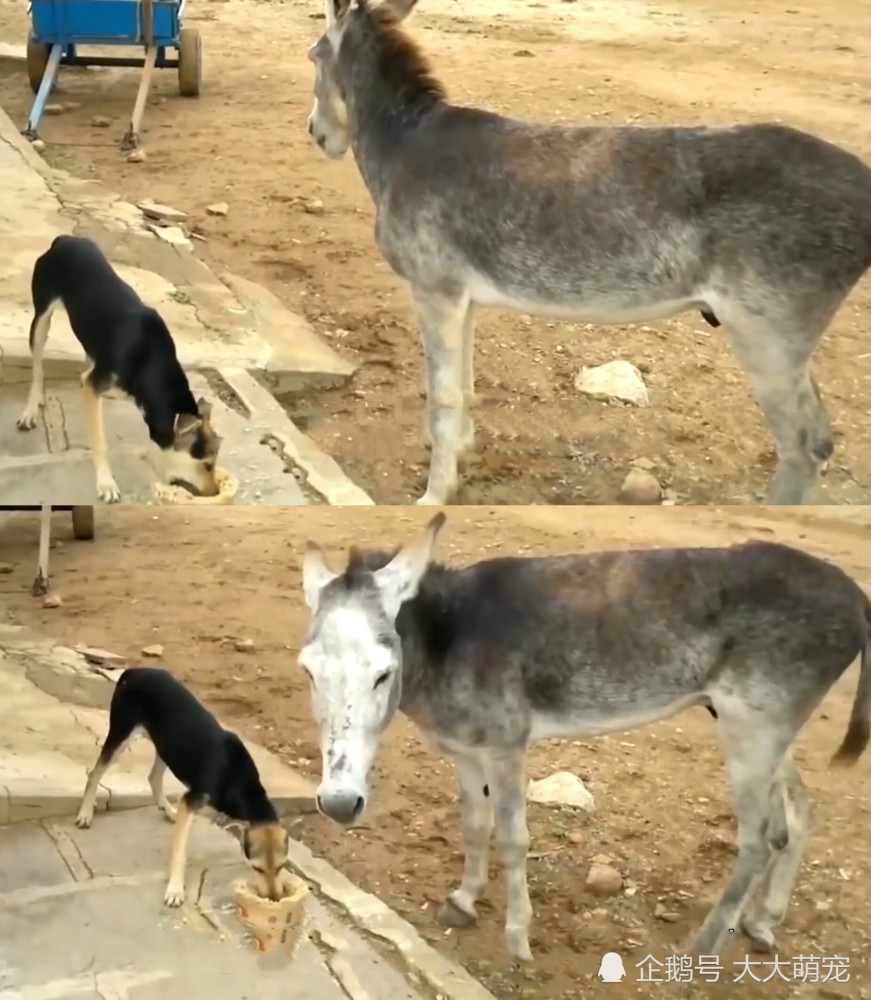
{"type": "Point", "coordinates": [185, 734]}
{"type": "Point", "coordinates": [98, 302]}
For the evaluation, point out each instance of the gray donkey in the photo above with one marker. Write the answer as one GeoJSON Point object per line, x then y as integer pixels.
{"type": "Point", "coordinates": [490, 658]}
{"type": "Point", "coordinates": [762, 228]}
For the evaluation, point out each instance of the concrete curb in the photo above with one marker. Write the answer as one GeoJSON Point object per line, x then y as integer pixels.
{"type": "Point", "coordinates": [373, 916]}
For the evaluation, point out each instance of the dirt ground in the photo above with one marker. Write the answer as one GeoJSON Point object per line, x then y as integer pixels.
{"type": "Point", "coordinates": [303, 226]}
{"type": "Point", "coordinates": [663, 814]}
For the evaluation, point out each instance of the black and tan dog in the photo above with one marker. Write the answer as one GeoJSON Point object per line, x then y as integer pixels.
{"type": "Point", "coordinates": [129, 348]}
{"type": "Point", "coordinates": [211, 762]}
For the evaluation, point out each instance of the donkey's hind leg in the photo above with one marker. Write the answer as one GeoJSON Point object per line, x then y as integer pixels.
{"type": "Point", "coordinates": [459, 907]}
{"type": "Point", "coordinates": [789, 827]}
{"type": "Point", "coordinates": [777, 366]}
{"type": "Point", "coordinates": [753, 747]}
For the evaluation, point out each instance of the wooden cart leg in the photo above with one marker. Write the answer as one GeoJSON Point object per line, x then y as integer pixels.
{"type": "Point", "coordinates": [131, 138]}
{"type": "Point", "coordinates": [83, 523]}
{"type": "Point", "coordinates": [40, 581]}
{"type": "Point", "coordinates": [45, 88]}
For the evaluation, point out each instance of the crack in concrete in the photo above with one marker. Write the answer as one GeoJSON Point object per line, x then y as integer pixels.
{"type": "Point", "coordinates": [276, 445]}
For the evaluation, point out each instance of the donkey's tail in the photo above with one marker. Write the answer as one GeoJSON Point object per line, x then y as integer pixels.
{"type": "Point", "coordinates": [859, 727]}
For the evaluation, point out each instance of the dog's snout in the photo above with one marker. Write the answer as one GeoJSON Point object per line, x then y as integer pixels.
{"type": "Point", "coordinates": [342, 805]}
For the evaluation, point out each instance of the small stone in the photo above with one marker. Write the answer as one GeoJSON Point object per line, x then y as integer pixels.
{"type": "Point", "coordinates": [38, 146]}
{"type": "Point", "coordinates": [561, 789]}
{"type": "Point", "coordinates": [244, 645]}
{"type": "Point", "coordinates": [53, 601]}
{"type": "Point", "coordinates": [174, 235]}
{"type": "Point", "coordinates": [603, 880]}
{"type": "Point", "coordinates": [640, 487]}
{"type": "Point", "coordinates": [613, 380]}
{"type": "Point", "coordinates": [99, 657]}
{"type": "Point", "coordinates": [576, 837]}
{"type": "Point", "coordinates": [137, 156]}
{"type": "Point", "coordinates": [668, 916]}
{"type": "Point", "coordinates": [219, 208]}
{"type": "Point", "coordinates": [155, 650]}
{"type": "Point", "coordinates": [153, 210]}
{"type": "Point", "coordinates": [98, 121]}
{"type": "Point", "coordinates": [314, 206]}
{"type": "Point", "coordinates": [6, 568]}
{"type": "Point", "coordinates": [54, 109]}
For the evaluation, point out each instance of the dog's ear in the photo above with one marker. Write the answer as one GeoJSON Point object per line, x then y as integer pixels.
{"type": "Point", "coordinates": [236, 828]}
{"type": "Point", "coordinates": [204, 408]}
{"type": "Point", "coordinates": [186, 423]}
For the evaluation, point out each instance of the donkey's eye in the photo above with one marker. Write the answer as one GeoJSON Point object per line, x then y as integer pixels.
{"type": "Point", "coordinates": [381, 679]}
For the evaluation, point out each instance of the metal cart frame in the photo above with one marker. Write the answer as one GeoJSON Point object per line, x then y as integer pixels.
{"type": "Point", "coordinates": [59, 27]}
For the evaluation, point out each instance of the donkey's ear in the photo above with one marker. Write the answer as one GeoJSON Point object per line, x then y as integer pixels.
{"type": "Point", "coordinates": [399, 579]}
{"type": "Point", "coordinates": [315, 574]}
{"type": "Point", "coordinates": [399, 9]}
{"type": "Point", "coordinates": [335, 10]}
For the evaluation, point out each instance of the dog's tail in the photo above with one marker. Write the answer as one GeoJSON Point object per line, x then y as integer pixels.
{"type": "Point", "coordinates": [859, 727]}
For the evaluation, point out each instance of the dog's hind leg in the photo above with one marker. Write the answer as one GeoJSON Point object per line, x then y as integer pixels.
{"type": "Point", "coordinates": [789, 826]}
{"type": "Point", "coordinates": [155, 779]}
{"type": "Point", "coordinates": [39, 328]}
{"type": "Point", "coordinates": [187, 808]}
{"type": "Point", "coordinates": [92, 392]}
{"type": "Point", "coordinates": [120, 731]}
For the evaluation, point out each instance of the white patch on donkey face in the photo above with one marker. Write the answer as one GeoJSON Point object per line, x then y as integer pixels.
{"type": "Point", "coordinates": [353, 657]}
{"type": "Point", "coordinates": [355, 688]}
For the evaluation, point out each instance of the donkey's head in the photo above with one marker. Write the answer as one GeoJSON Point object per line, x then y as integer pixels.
{"type": "Point", "coordinates": [328, 122]}
{"type": "Point", "coordinates": [353, 656]}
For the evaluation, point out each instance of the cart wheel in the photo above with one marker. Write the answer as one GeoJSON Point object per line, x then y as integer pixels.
{"type": "Point", "coordinates": [190, 62]}
{"type": "Point", "coordinates": [83, 523]}
{"type": "Point", "coordinates": [37, 60]}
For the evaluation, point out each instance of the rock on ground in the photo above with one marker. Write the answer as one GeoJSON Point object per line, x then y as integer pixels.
{"type": "Point", "coordinates": [613, 380]}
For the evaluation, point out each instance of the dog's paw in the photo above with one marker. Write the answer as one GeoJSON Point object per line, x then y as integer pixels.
{"type": "Point", "coordinates": [168, 813]}
{"type": "Point", "coordinates": [107, 491]}
{"type": "Point", "coordinates": [84, 820]}
{"type": "Point", "coordinates": [27, 421]}
{"type": "Point", "coordinates": [174, 895]}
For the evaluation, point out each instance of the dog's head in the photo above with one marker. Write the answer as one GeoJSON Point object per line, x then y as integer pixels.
{"type": "Point", "coordinates": [190, 461]}
{"type": "Point", "coordinates": [265, 848]}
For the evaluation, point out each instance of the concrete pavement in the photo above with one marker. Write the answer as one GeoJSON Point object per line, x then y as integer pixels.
{"type": "Point", "coordinates": [222, 324]}
{"type": "Point", "coordinates": [81, 911]}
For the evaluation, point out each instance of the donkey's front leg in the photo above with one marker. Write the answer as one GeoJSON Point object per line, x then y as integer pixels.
{"type": "Point", "coordinates": [507, 774]}
{"type": "Point", "coordinates": [459, 907]}
{"type": "Point", "coordinates": [442, 321]}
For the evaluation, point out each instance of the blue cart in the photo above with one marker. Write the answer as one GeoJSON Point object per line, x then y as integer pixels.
{"type": "Point", "coordinates": [59, 27]}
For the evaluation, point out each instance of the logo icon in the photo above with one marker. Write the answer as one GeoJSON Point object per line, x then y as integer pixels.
{"type": "Point", "coordinates": [611, 968]}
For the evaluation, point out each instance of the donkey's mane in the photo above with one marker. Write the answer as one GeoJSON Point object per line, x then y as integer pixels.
{"type": "Point", "coordinates": [400, 56]}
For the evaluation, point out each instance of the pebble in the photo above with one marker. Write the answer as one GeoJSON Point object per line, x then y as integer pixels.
{"type": "Point", "coordinates": [244, 645]}
{"type": "Point", "coordinates": [219, 208]}
{"type": "Point", "coordinates": [54, 109]}
{"type": "Point", "coordinates": [6, 568]}
{"type": "Point", "coordinates": [38, 146]}
{"type": "Point", "coordinates": [640, 487]}
{"type": "Point", "coordinates": [155, 650]}
{"type": "Point", "coordinates": [98, 121]}
{"type": "Point", "coordinates": [314, 206]}
{"type": "Point", "coordinates": [137, 156]}
{"type": "Point", "coordinates": [603, 880]}
{"type": "Point", "coordinates": [53, 601]}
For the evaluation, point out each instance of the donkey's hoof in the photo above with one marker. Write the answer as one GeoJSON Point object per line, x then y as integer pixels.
{"type": "Point", "coordinates": [518, 944]}
{"type": "Point", "coordinates": [451, 915]}
{"type": "Point", "coordinates": [760, 936]}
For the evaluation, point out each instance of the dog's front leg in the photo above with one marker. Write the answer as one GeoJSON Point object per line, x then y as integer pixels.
{"type": "Point", "coordinates": [184, 817]}
{"type": "Point", "coordinates": [107, 488]}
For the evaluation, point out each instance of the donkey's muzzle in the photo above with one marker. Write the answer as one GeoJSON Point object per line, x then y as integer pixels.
{"type": "Point", "coordinates": [342, 806]}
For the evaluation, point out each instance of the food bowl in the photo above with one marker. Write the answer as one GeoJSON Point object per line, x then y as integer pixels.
{"type": "Point", "coordinates": [273, 925]}
{"type": "Point", "coordinates": [228, 487]}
